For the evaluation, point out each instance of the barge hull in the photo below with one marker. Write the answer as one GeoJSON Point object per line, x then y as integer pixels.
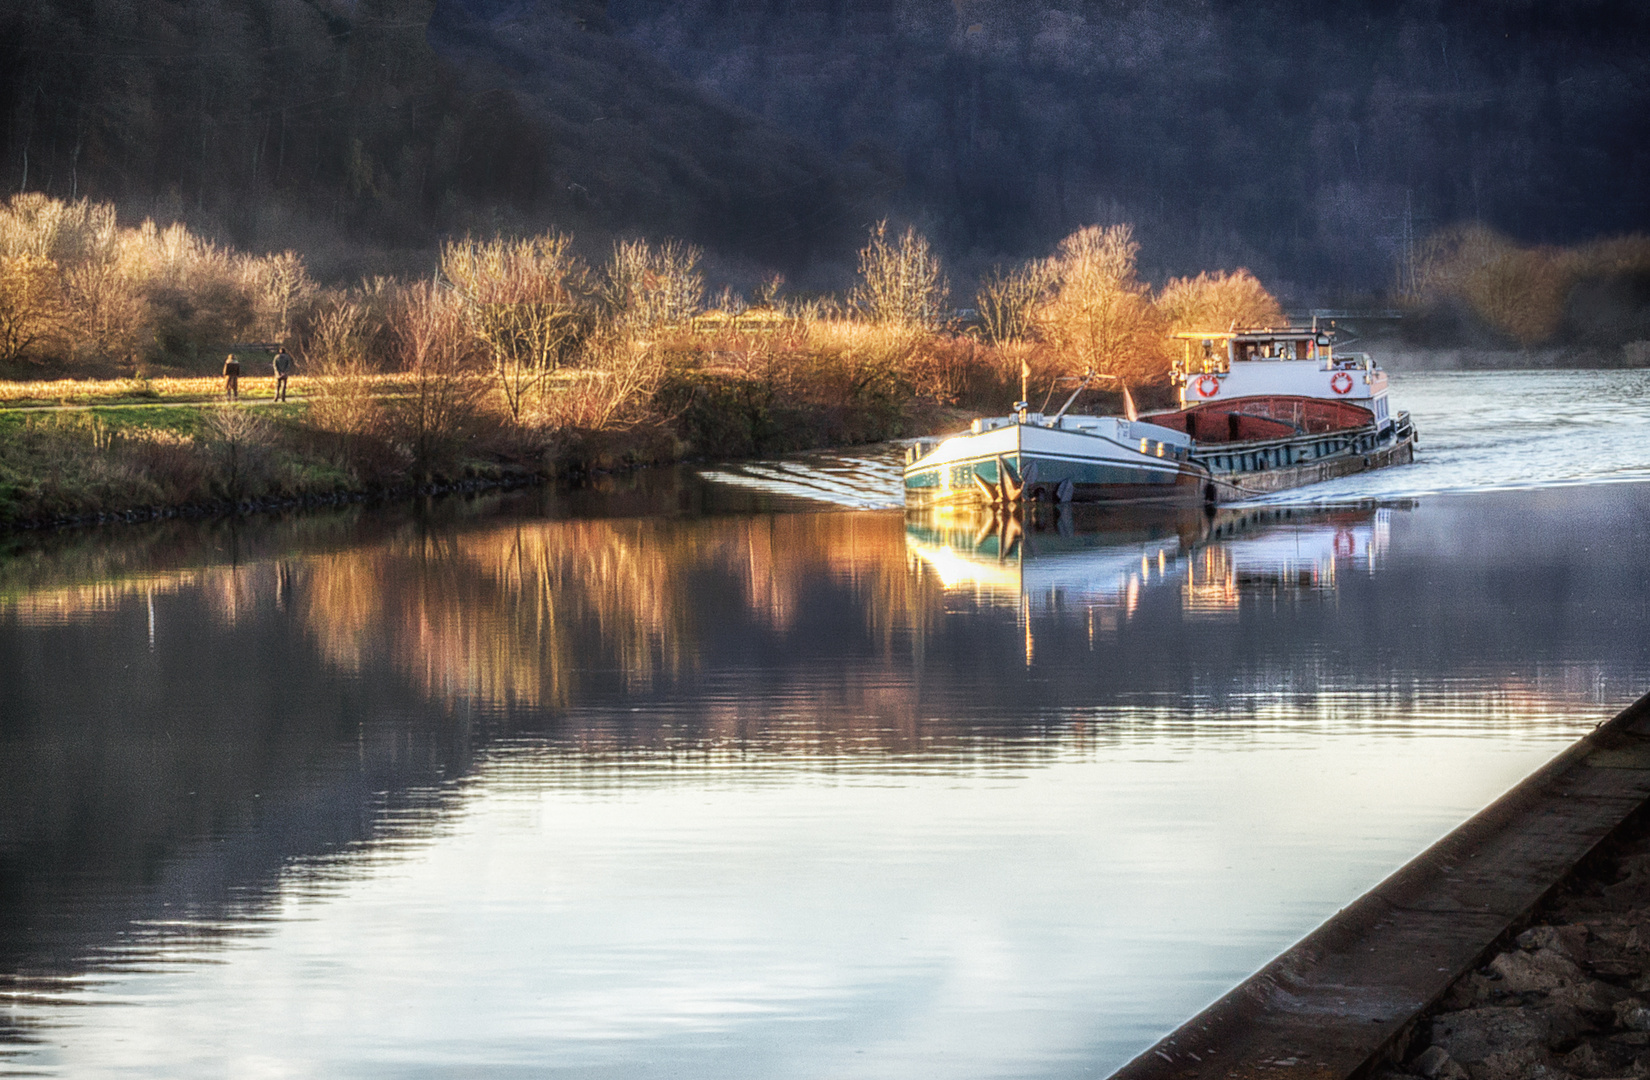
{"type": "Point", "coordinates": [1187, 487]}
{"type": "Point", "coordinates": [1233, 487]}
{"type": "Point", "coordinates": [1043, 459]}
{"type": "Point", "coordinates": [1158, 482]}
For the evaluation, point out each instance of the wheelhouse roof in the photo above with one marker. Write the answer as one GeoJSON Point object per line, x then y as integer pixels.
{"type": "Point", "coordinates": [1291, 333]}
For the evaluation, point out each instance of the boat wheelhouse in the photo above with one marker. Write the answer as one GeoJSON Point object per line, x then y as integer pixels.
{"type": "Point", "coordinates": [1260, 411]}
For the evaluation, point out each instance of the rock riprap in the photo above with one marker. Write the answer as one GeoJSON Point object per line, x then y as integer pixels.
{"type": "Point", "coordinates": [1569, 997]}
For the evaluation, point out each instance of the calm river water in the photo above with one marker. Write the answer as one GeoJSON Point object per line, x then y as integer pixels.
{"type": "Point", "coordinates": [693, 777]}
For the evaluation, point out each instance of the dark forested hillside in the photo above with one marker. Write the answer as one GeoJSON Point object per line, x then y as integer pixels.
{"type": "Point", "coordinates": [335, 127]}
{"type": "Point", "coordinates": [629, 145]}
{"type": "Point", "coordinates": [1309, 142]}
{"type": "Point", "coordinates": [1304, 140]}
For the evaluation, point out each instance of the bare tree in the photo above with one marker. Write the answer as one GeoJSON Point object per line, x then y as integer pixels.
{"type": "Point", "coordinates": [646, 287]}
{"type": "Point", "coordinates": [524, 301]}
{"type": "Point", "coordinates": [31, 304]}
{"type": "Point", "coordinates": [900, 280]}
{"type": "Point", "coordinates": [1008, 302]}
{"type": "Point", "coordinates": [278, 283]}
{"type": "Point", "coordinates": [1099, 313]}
{"type": "Point", "coordinates": [240, 439]}
{"type": "Point", "coordinates": [434, 350]}
{"type": "Point", "coordinates": [338, 353]}
{"type": "Point", "coordinates": [1219, 301]}
{"type": "Point", "coordinates": [1517, 291]}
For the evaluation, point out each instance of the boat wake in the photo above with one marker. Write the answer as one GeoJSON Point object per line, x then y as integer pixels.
{"type": "Point", "coordinates": [1479, 431]}
{"type": "Point", "coordinates": [1509, 430]}
{"type": "Point", "coordinates": [868, 478]}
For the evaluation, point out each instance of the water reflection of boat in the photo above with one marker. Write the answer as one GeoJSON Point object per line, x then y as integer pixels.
{"type": "Point", "coordinates": [1108, 556]}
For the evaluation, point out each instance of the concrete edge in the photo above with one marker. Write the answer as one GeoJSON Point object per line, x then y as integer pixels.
{"type": "Point", "coordinates": [1333, 1006]}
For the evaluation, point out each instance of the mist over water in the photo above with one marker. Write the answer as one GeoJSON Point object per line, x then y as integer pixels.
{"type": "Point", "coordinates": [690, 777]}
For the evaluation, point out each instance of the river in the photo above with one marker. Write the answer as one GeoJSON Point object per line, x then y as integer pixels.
{"type": "Point", "coordinates": [735, 772]}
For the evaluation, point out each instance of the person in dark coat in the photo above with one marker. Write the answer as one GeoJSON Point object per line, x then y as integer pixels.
{"type": "Point", "coordinates": [283, 368]}
{"type": "Point", "coordinates": [232, 378]}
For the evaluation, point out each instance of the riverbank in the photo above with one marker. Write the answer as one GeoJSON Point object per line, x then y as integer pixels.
{"type": "Point", "coordinates": [125, 450]}
{"type": "Point", "coordinates": [1399, 357]}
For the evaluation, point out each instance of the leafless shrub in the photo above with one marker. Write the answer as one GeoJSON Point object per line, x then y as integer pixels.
{"type": "Point", "coordinates": [343, 398]}
{"type": "Point", "coordinates": [435, 351]}
{"type": "Point", "coordinates": [729, 301]}
{"type": "Point", "coordinates": [238, 440]}
{"type": "Point", "coordinates": [646, 287]}
{"type": "Point", "coordinates": [767, 294]}
{"type": "Point", "coordinates": [957, 369]}
{"type": "Point", "coordinates": [613, 388]}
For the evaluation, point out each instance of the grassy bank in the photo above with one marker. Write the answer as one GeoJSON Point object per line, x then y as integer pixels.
{"type": "Point", "coordinates": [92, 450]}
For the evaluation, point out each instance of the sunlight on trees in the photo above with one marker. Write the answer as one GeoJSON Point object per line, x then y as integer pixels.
{"type": "Point", "coordinates": [1514, 290]}
{"type": "Point", "coordinates": [431, 346]}
{"type": "Point", "coordinates": [1218, 301]}
{"type": "Point", "coordinates": [1008, 301]}
{"type": "Point", "coordinates": [340, 351]}
{"type": "Point", "coordinates": [31, 307]}
{"type": "Point", "coordinates": [143, 293]}
{"type": "Point", "coordinates": [1519, 292]}
{"type": "Point", "coordinates": [524, 302]}
{"type": "Point", "coordinates": [900, 281]}
{"type": "Point", "coordinates": [647, 286]}
{"type": "Point", "coordinates": [1099, 314]}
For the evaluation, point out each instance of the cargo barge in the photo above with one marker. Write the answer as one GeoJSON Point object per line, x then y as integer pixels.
{"type": "Point", "coordinates": [1260, 412]}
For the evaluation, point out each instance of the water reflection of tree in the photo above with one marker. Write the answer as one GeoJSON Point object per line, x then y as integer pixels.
{"type": "Point", "coordinates": [520, 614]}
{"type": "Point", "coordinates": [514, 613]}
{"type": "Point", "coordinates": [245, 750]}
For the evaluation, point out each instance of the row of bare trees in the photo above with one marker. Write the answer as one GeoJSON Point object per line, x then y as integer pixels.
{"type": "Point", "coordinates": [525, 334]}
{"type": "Point", "coordinates": [512, 332]}
{"type": "Point", "coordinates": [1088, 303]}
{"type": "Point", "coordinates": [1085, 303]}
{"type": "Point", "coordinates": [76, 286]}
{"type": "Point", "coordinates": [1520, 292]}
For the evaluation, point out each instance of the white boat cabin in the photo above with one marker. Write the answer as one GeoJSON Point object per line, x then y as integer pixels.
{"type": "Point", "coordinates": [1296, 363]}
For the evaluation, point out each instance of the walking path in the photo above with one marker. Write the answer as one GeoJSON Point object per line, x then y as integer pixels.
{"type": "Point", "coordinates": [292, 399]}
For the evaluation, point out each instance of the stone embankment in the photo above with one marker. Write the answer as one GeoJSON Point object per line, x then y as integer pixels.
{"type": "Point", "coordinates": [1569, 997]}
{"type": "Point", "coordinates": [1515, 948]}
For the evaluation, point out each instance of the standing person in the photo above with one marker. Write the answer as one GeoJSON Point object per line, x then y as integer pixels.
{"type": "Point", "coordinates": [283, 368]}
{"type": "Point", "coordinates": [232, 378]}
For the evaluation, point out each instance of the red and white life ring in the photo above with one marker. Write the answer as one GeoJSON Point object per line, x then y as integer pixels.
{"type": "Point", "coordinates": [1341, 383]}
{"type": "Point", "coordinates": [1207, 386]}
{"type": "Point", "coordinates": [1346, 545]}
